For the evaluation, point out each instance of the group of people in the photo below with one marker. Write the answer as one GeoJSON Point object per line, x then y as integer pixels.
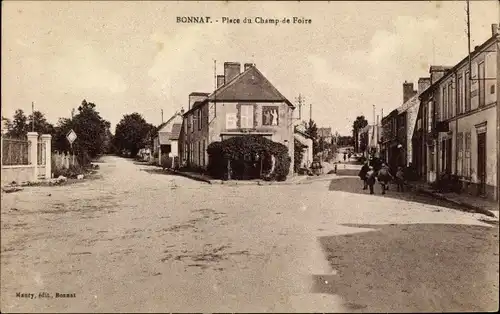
{"type": "Point", "coordinates": [370, 173]}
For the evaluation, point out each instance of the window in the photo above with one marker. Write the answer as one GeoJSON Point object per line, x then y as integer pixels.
{"type": "Point", "coordinates": [460, 149]}
{"type": "Point", "coordinates": [191, 126]}
{"type": "Point", "coordinates": [246, 116]}
{"type": "Point", "coordinates": [199, 119]}
{"type": "Point", "coordinates": [460, 95]}
{"type": "Point", "coordinates": [199, 153]}
{"type": "Point", "coordinates": [467, 159]}
{"type": "Point", "coordinates": [429, 117]}
{"type": "Point", "coordinates": [270, 115]}
{"type": "Point", "coordinates": [185, 125]}
{"type": "Point", "coordinates": [482, 89]}
{"type": "Point", "coordinates": [444, 103]}
{"type": "Point", "coordinates": [450, 100]}
{"type": "Point", "coordinates": [467, 91]}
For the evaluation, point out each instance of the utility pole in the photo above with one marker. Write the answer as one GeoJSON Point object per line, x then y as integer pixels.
{"type": "Point", "coordinates": [300, 101]}
{"type": "Point", "coordinates": [161, 115]}
{"type": "Point", "coordinates": [32, 116]}
{"type": "Point", "coordinates": [310, 112]}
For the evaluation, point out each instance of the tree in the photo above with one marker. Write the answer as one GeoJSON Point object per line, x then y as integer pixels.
{"type": "Point", "coordinates": [40, 123]}
{"type": "Point", "coordinates": [19, 125]}
{"type": "Point", "coordinates": [131, 133]}
{"type": "Point", "coordinates": [6, 125]}
{"type": "Point", "coordinates": [312, 131]}
{"type": "Point", "coordinates": [358, 124]}
{"type": "Point", "coordinates": [90, 129]}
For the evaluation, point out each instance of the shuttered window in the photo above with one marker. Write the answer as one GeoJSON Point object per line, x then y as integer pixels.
{"type": "Point", "coordinates": [246, 116]}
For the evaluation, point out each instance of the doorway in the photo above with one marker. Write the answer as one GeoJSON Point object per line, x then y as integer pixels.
{"type": "Point", "coordinates": [481, 163]}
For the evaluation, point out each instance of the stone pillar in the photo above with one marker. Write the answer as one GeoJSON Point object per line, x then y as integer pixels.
{"type": "Point", "coordinates": [46, 139]}
{"type": "Point", "coordinates": [33, 153]}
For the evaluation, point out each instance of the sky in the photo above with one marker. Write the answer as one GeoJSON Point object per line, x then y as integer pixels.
{"type": "Point", "coordinates": [134, 57]}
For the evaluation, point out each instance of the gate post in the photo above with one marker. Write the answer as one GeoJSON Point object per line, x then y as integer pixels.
{"type": "Point", "coordinates": [46, 139]}
{"type": "Point", "coordinates": [33, 153]}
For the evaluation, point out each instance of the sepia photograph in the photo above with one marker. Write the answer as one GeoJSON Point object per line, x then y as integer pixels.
{"type": "Point", "coordinates": [250, 156]}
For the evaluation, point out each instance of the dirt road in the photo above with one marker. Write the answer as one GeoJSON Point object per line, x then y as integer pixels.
{"type": "Point", "coordinates": [140, 240]}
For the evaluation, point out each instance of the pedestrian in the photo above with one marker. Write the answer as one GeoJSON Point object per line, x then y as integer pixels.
{"type": "Point", "coordinates": [345, 156]}
{"type": "Point", "coordinates": [362, 174]}
{"type": "Point", "coordinates": [384, 176]}
{"type": "Point", "coordinates": [400, 179]}
{"type": "Point", "coordinates": [370, 179]}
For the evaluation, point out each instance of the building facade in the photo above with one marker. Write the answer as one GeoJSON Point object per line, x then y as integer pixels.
{"type": "Point", "coordinates": [243, 103]}
{"type": "Point", "coordinates": [457, 132]}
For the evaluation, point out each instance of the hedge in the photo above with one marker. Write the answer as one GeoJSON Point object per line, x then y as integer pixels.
{"type": "Point", "coordinates": [241, 151]}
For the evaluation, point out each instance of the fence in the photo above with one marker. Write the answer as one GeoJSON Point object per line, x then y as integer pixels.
{"type": "Point", "coordinates": [63, 161]}
{"type": "Point", "coordinates": [15, 152]}
{"type": "Point", "coordinates": [26, 160]}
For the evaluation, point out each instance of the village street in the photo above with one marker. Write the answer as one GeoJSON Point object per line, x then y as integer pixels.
{"type": "Point", "coordinates": [137, 239]}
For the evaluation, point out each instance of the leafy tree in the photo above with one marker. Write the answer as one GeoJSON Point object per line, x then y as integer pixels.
{"type": "Point", "coordinates": [131, 133]}
{"type": "Point", "coordinates": [90, 129]}
{"type": "Point", "coordinates": [40, 123]}
{"type": "Point", "coordinates": [358, 124]}
{"type": "Point", "coordinates": [6, 125]}
{"type": "Point", "coordinates": [19, 125]}
{"type": "Point", "coordinates": [59, 141]}
{"type": "Point", "coordinates": [312, 131]}
{"type": "Point", "coordinates": [363, 141]}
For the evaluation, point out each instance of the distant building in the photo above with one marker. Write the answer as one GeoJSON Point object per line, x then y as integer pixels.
{"type": "Point", "coordinates": [243, 103]}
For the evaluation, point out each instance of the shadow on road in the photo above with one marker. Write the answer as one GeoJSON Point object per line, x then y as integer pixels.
{"type": "Point", "coordinates": [413, 268]}
{"type": "Point", "coordinates": [157, 171]}
{"type": "Point", "coordinates": [355, 185]}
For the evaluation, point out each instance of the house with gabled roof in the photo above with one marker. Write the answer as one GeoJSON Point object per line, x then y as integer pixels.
{"type": "Point", "coordinates": [244, 102]}
{"type": "Point", "coordinates": [166, 141]}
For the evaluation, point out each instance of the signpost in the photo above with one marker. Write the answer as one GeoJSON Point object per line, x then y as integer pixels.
{"type": "Point", "coordinates": [71, 136]}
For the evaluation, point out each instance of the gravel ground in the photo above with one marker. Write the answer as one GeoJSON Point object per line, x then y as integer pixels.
{"type": "Point", "coordinates": [139, 240]}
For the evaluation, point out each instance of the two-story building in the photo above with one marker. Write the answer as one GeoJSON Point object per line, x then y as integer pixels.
{"type": "Point", "coordinates": [467, 115]}
{"type": "Point", "coordinates": [456, 130]}
{"type": "Point", "coordinates": [245, 102]}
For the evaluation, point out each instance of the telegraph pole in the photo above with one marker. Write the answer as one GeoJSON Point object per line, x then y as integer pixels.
{"type": "Point", "coordinates": [32, 116]}
{"type": "Point", "coordinates": [310, 112]}
{"type": "Point", "coordinates": [161, 115]}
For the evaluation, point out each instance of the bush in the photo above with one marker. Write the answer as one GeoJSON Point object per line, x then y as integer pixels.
{"type": "Point", "coordinates": [242, 152]}
{"type": "Point", "coordinates": [298, 154]}
{"type": "Point", "coordinates": [71, 172]}
{"type": "Point", "coordinates": [166, 162]}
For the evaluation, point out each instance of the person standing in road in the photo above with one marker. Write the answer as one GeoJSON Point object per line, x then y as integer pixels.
{"type": "Point", "coordinates": [370, 179]}
{"type": "Point", "coordinates": [384, 176]}
{"type": "Point", "coordinates": [345, 156]}
{"type": "Point", "coordinates": [362, 174]}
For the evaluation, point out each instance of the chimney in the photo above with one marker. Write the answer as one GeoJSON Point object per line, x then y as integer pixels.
{"type": "Point", "coordinates": [408, 91]}
{"type": "Point", "coordinates": [220, 80]}
{"type": "Point", "coordinates": [231, 70]}
{"type": "Point", "coordinates": [248, 65]}
{"type": "Point", "coordinates": [494, 29]}
{"type": "Point", "coordinates": [423, 84]}
{"type": "Point", "coordinates": [437, 72]}
{"type": "Point", "coordinates": [194, 97]}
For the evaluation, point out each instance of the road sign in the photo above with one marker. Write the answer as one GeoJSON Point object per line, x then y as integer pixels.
{"type": "Point", "coordinates": [71, 137]}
